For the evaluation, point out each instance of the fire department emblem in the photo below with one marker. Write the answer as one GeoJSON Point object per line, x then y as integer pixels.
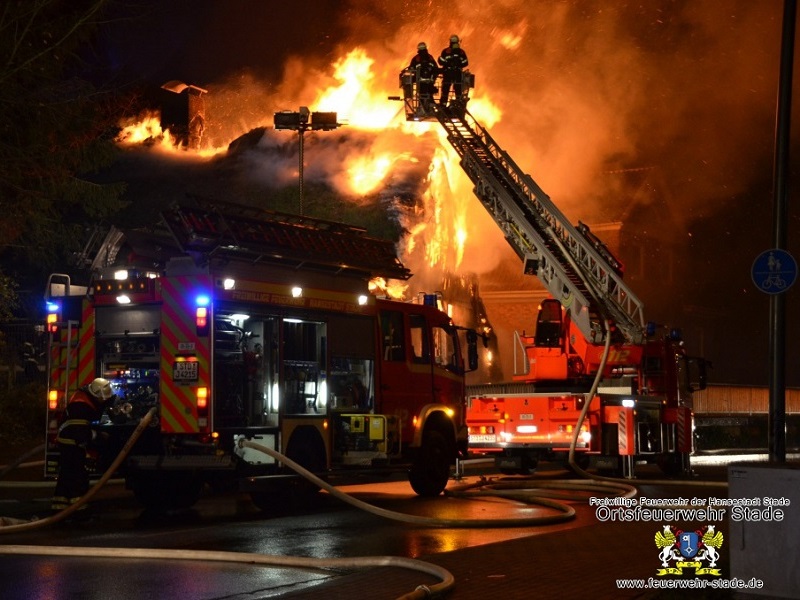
{"type": "Point", "coordinates": [688, 549]}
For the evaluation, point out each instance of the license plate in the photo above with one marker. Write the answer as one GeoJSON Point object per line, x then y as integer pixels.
{"type": "Point", "coordinates": [482, 439]}
{"type": "Point", "coordinates": [185, 370]}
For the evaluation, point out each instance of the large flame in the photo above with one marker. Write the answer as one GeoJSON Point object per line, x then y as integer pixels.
{"type": "Point", "coordinates": [438, 228]}
{"type": "Point", "coordinates": [144, 129]}
{"type": "Point", "coordinates": [357, 99]}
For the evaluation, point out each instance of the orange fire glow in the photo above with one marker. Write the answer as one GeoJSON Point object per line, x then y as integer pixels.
{"type": "Point", "coordinates": [146, 128]}
{"type": "Point", "coordinates": [356, 98]}
{"type": "Point", "coordinates": [396, 290]}
{"type": "Point", "coordinates": [439, 227]}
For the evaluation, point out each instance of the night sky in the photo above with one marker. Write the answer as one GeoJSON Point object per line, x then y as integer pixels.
{"type": "Point", "coordinates": [685, 89]}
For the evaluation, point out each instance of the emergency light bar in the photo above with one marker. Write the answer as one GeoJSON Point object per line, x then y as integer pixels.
{"type": "Point", "coordinates": [125, 290]}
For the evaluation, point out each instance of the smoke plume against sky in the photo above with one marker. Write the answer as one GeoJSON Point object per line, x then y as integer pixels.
{"type": "Point", "coordinates": [572, 89]}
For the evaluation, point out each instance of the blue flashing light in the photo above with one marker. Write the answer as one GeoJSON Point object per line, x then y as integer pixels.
{"type": "Point", "coordinates": [650, 329]}
{"type": "Point", "coordinates": [202, 300]}
{"type": "Point", "coordinates": [52, 307]}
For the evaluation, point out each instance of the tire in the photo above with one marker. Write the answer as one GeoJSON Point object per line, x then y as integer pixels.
{"type": "Point", "coordinates": [581, 460]}
{"type": "Point", "coordinates": [162, 491]}
{"type": "Point", "coordinates": [430, 471]}
{"type": "Point", "coordinates": [527, 466]}
{"type": "Point", "coordinates": [671, 464]}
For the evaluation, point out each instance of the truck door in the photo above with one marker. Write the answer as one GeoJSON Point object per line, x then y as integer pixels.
{"type": "Point", "coordinates": [448, 369]}
{"type": "Point", "coordinates": [406, 382]}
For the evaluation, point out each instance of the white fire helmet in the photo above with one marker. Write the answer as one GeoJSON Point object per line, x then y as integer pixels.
{"type": "Point", "coordinates": [101, 388]}
{"type": "Point", "coordinates": [422, 46]}
{"type": "Point", "coordinates": [454, 39]}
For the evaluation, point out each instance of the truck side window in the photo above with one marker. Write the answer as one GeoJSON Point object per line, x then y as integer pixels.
{"type": "Point", "coordinates": [446, 350]}
{"type": "Point", "coordinates": [548, 325]}
{"type": "Point", "coordinates": [419, 339]}
{"type": "Point", "coordinates": [392, 338]}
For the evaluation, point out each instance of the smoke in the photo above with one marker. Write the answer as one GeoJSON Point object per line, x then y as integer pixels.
{"type": "Point", "coordinates": [608, 106]}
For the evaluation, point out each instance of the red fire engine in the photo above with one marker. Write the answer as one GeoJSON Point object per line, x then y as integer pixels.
{"type": "Point", "coordinates": [590, 331]}
{"type": "Point", "coordinates": [240, 323]}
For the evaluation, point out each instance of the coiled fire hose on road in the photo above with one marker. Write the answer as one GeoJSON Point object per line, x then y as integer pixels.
{"type": "Point", "coordinates": [545, 494]}
{"type": "Point", "coordinates": [509, 490]}
{"type": "Point", "coordinates": [16, 525]}
{"type": "Point", "coordinates": [303, 562]}
{"type": "Point", "coordinates": [523, 491]}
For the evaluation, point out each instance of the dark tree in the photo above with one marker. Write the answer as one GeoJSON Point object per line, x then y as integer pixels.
{"type": "Point", "coordinates": [56, 129]}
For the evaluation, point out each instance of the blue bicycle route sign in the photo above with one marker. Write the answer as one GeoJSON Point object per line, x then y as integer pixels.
{"type": "Point", "coordinates": [774, 271]}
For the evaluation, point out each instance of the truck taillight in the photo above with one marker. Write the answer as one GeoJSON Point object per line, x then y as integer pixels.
{"type": "Point", "coordinates": [201, 320]}
{"type": "Point", "coordinates": [481, 430]}
{"type": "Point", "coordinates": [52, 400]}
{"type": "Point", "coordinates": [52, 323]}
{"type": "Point", "coordinates": [53, 308]}
{"type": "Point", "coordinates": [202, 398]}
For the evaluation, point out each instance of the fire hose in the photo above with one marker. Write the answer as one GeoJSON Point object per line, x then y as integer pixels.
{"type": "Point", "coordinates": [545, 494]}
{"type": "Point", "coordinates": [18, 524]}
{"type": "Point", "coordinates": [523, 491]}
{"type": "Point", "coordinates": [15, 525]}
{"type": "Point", "coordinates": [19, 461]}
{"type": "Point", "coordinates": [508, 490]}
{"type": "Point", "coordinates": [582, 417]}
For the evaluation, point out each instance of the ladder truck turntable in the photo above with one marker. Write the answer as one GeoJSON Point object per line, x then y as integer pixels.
{"type": "Point", "coordinates": [648, 418]}
{"type": "Point", "coordinates": [242, 324]}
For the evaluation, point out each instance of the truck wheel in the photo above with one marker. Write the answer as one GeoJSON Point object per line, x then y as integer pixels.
{"type": "Point", "coordinates": [527, 466]}
{"type": "Point", "coordinates": [582, 461]}
{"type": "Point", "coordinates": [431, 469]}
{"type": "Point", "coordinates": [166, 491]}
{"type": "Point", "coordinates": [671, 464]}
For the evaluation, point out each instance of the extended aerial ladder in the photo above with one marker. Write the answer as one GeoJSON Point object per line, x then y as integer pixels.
{"type": "Point", "coordinates": [574, 266]}
{"type": "Point", "coordinates": [546, 412]}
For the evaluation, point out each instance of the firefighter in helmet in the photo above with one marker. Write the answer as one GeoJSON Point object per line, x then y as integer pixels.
{"type": "Point", "coordinates": [425, 70]}
{"type": "Point", "coordinates": [453, 61]}
{"type": "Point", "coordinates": [74, 436]}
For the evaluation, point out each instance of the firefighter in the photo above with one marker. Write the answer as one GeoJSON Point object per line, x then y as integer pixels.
{"type": "Point", "coordinates": [425, 70]}
{"type": "Point", "coordinates": [453, 61]}
{"type": "Point", "coordinates": [74, 436]}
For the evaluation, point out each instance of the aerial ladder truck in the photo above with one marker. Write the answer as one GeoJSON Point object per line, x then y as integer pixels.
{"type": "Point", "coordinates": [591, 329]}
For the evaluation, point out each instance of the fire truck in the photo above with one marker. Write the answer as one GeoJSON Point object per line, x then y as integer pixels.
{"type": "Point", "coordinates": [591, 343]}
{"type": "Point", "coordinates": [241, 324]}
